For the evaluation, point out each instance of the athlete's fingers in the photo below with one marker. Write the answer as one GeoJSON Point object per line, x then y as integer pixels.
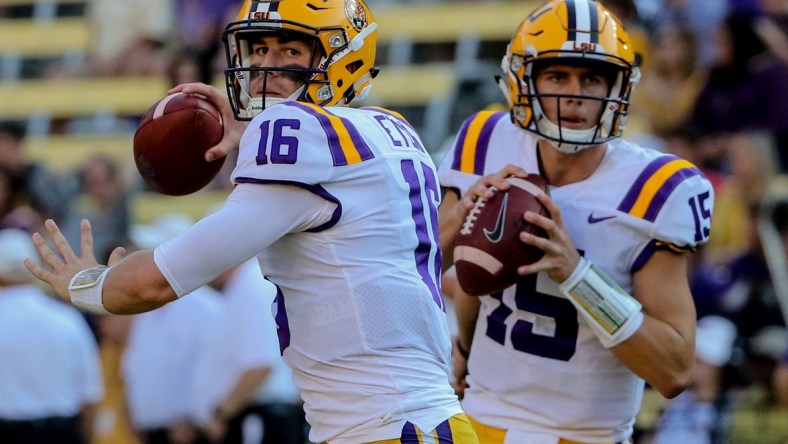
{"type": "Point", "coordinates": [544, 244]}
{"type": "Point", "coordinates": [511, 170]}
{"type": "Point", "coordinates": [195, 87]}
{"type": "Point", "coordinates": [552, 208]}
{"type": "Point", "coordinates": [61, 244]}
{"type": "Point", "coordinates": [46, 253]}
{"type": "Point", "coordinates": [542, 222]}
{"type": "Point", "coordinates": [478, 190]}
{"type": "Point", "coordinates": [117, 254]}
{"type": "Point", "coordinates": [38, 271]}
{"type": "Point", "coordinates": [525, 270]}
{"type": "Point", "coordinates": [86, 241]}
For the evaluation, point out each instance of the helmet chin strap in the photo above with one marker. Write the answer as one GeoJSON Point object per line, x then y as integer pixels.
{"type": "Point", "coordinates": [566, 140]}
{"type": "Point", "coordinates": [255, 105]}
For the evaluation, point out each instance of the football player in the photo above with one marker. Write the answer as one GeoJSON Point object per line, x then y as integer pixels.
{"type": "Point", "coordinates": [339, 205]}
{"type": "Point", "coordinates": [562, 355]}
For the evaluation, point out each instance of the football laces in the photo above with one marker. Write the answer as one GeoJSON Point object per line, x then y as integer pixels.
{"type": "Point", "coordinates": [470, 219]}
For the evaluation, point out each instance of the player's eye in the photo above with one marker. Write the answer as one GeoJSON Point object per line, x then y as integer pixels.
{"type": "Point", "coordinates": [555, 76]}
{"type": "Point", "coordinates": [593, 79]}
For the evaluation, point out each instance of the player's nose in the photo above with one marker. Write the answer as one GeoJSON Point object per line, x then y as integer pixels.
{"type": "Point", "coordinates": [573, 86]}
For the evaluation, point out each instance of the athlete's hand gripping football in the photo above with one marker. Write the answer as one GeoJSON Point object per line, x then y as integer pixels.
{"type": "Point", "coordinates": [560, 254]}
{"type": "Point", "coordinates": [233, 129]}
{"type": "Point", "coordinates": [481, 188]}
{"type": "Point", "coordinates": [65, 263]}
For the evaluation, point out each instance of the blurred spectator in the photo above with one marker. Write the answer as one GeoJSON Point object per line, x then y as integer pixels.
{"type": "Point", "coordinates": [701, 16]}
{"type": "Point", "coordinates": [160, 359]}
{"type": "Point", "coordinates": [199, 25]}
{"type": "Point", "coordinates": [741, 332]}
{"type": "Point", "coordinates": [184, 67]}
{"type": "Point", "coordinates": [104, 200]}
{"type": "Point", "coordinates": [771, 23]}
{"type": "Point", "coordinates": [780, 382]}
{"type": "Point", "coordinates": [627, 12]}
{"type": "Point", "coordinates": [243, 391]}
{"type": "Point", "coordinates": [50, 377]}
{"type": "Point", "coordinates": [696, 416]}
{"type": "Point", "coordinates": [682, 141]}
{"type": "Point", "coordinates": [666, 94]}
{"type": "Point", "coordinates": [32, 184]}
{"type": "Point", "coordinates": [129, 37]}
{"type": "Point", "coordinates": [743, 291]}
{"type": "Point", "coordinates": [747, 87]}
{"type": "Point", "coordinates": [753, 163]}
{"type": "Point", "coordinates": [6, 195]}
{"type": "Point", "coordinates": [780, 377]}
{"type": "Point", "coordinates": [112, 425]}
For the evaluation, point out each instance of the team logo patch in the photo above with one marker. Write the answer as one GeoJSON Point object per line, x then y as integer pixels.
{"type": "Point", "coordinates": [356, 14]}
{"type": "Point", "coordinates": [264, 9]}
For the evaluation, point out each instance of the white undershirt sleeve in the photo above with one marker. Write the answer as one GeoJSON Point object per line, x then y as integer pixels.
{"type": "Point", "coordinates": [253, 217]}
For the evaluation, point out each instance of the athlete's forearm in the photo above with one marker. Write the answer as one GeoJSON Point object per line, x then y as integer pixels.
{"type": "Point", "coordinates": [135, 285]}
{"type": "Point", "coordinates": [660, 355]}
{"type": "Point", "coordinates": [449, 224]}
{"type": "Point", "coordinates": [662, 351]}
{"type": "Point", "coordinates": [467, 311]}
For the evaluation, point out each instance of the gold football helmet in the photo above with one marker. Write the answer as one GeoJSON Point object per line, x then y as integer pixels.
{"type": "Point", "coordinates": [344, 33]}
{"type": "Point", "coordinates": [576, 32]}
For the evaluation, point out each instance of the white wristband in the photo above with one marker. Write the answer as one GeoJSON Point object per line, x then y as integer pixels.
{"type": "Point", "coordinates": [612, 314]}
{"type": "Point", "coordinates": [86, 288]}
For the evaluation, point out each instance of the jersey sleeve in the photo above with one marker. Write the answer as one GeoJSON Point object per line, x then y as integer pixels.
{"type": "Point", "coordinates": [676, 199]}
{"type": "Point", "coordinates": [465, 161]}
{"type": "Point", "coordinates": [296, 142]}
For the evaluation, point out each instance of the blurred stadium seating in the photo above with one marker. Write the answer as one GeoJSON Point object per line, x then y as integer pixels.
{"type": "Point", "coordinates": [425, 50]}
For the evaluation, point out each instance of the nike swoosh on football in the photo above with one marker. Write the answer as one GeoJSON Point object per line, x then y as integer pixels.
{"type": "Point", "coordinates": [593, 220]}
{"type": "Point", "coordinates": [497, 232]}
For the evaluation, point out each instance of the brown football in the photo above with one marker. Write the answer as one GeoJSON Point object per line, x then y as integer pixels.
{"type": "Point", "coordinates": [171, 140]}
{"type": "Point", "coordinates": [488, 250]}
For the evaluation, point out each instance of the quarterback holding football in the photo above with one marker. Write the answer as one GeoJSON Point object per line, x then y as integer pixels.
{"type": "Point", "coordinates": [338, 205]}
{"type": "Point", "coordinates": [562, 355]}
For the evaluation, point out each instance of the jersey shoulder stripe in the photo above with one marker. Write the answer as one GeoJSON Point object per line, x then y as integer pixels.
{"type": "Point", "coordinates": [345, 143]}
{"type": "Point", "coordinates": [401, 120]}
{"type": "Point", "coordinates": [385, 111]}
{"type": "Point", "coordinates": [654, 185]}
{"type": "Point", "coordinates": [473, 140]}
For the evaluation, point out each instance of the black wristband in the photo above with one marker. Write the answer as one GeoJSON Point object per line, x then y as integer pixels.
{"type": "Point", "coordinates": [464, 353]}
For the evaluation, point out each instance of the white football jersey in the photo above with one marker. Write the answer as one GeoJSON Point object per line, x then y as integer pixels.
{"type": "Point", "coordinates": [359, 310]}
{"type": "Point", "coordinates": [535, 364]}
